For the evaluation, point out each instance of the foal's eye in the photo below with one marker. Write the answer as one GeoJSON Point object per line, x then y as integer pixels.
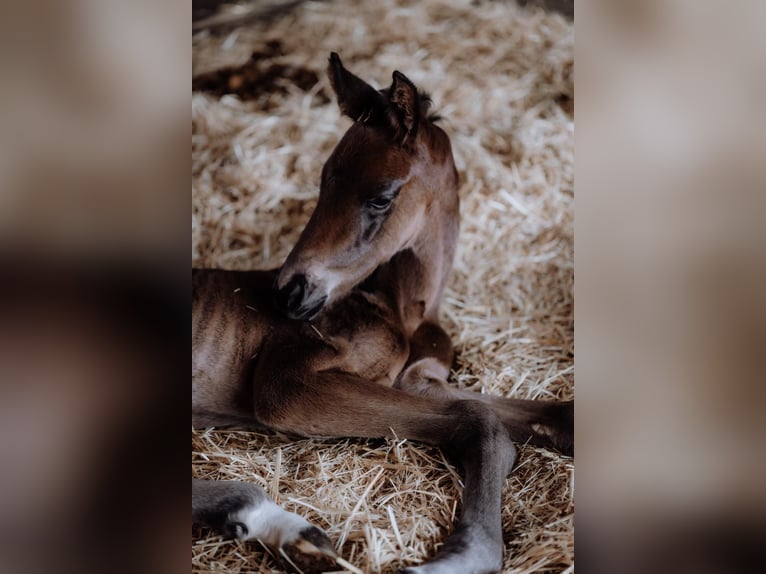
{"type": "Point", "coordinates": [380, 203]}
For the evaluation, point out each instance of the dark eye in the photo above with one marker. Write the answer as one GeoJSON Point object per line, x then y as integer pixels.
{"type": "Point", "coordinates": [380, 203]}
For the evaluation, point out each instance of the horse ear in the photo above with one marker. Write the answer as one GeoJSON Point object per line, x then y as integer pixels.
{"type": "Point", "coordinates": [404, 104]}
{"type": "Point", "coordinates": [356, 98]}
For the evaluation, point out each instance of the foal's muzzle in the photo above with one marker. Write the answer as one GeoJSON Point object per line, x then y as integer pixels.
{"type": "Point", "coordinates": [298, 299]}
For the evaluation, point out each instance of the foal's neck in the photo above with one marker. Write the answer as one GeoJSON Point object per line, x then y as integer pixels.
{"type": "Point", "coordinates": [434, 249]}
{"type": "Point", "coordinates": [435, 245]}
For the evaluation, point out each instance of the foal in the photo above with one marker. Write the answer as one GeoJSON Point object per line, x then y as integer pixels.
{"type": "Point", "coordinates": [344, 339]}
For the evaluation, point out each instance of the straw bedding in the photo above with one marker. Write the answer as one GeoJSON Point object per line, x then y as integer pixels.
{"type": "Point", "coordinates": [501, 76]}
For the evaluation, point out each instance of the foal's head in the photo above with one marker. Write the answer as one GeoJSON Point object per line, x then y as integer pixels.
{"type": "Point", "coordinates": [390, 177]}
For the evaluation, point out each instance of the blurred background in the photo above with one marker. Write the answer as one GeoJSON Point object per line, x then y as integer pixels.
{"type": "Point", "coordinates": [94, 298]}
{"type": "Point", "coordinates": [671, 271]}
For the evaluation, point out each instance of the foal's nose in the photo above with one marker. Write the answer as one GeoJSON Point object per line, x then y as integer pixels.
{"type": "Point", "coordinates": [299, 299]}
{"type": "Point", "coordinates": [290, 297]}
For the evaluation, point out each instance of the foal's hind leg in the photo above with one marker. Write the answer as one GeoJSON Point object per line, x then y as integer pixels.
{"type": "Point", "coordinates": [244, 511]}
{"type": "Point", "coordinates": [333, 404]}
{"type": "Point", "coordinates": [542, 423]}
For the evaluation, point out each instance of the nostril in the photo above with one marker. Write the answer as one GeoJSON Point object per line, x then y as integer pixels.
{"type": "Point", "coordinates": [295, 294]}
{"type": "Point", "coordinates": [290, 297]}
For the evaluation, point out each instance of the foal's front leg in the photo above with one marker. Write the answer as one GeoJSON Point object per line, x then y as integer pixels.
{"type": "Point", "coordinates": [244, 511]}
{"type": "Point", "coordinates": [335, 404]}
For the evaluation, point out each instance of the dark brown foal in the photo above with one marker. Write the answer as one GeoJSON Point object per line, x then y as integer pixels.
{"type": "Point", "coordinates": [344, 340]}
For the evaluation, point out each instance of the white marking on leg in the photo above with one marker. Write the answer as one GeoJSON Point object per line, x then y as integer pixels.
{"type": "Point", "coordinates": [270, 523]}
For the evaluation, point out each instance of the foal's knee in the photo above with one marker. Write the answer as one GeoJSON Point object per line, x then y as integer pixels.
{"type": "Point", "coordinates": [425, 377]}
{"type": "Point", "coordinates": [430, 340]}
{"type": "Point", "coordinates": [479, 436]}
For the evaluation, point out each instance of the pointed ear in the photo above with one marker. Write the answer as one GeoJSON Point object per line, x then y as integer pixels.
{"type": "Point", "coordinates": [356, 98]}
{"type": "Point", "coordinates": [404, 103]}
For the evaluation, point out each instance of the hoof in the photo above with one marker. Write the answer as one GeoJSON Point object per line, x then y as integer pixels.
{"type": "Point", "coordinates": [312, 552]}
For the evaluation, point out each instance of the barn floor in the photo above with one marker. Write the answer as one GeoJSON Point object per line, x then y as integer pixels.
{"type": "Point", "coordinates": [502, 78]}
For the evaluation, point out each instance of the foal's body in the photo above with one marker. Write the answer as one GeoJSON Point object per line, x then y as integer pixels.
{"type": "Point", "coordinates": [344, 340]}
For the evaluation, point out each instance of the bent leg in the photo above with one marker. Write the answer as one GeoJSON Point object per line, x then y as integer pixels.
{"type": "Point", "coordinates": [333, 404]}
{"type": "Point", "coordinates": [244, 511]}
{"type": "Point", "coordinates": [542, 423]}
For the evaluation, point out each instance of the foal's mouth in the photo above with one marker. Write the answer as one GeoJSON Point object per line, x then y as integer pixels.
{"type": "Point", "coordinates": [298, 299]}
{"type": "Point", "coordinates": [308, 310]}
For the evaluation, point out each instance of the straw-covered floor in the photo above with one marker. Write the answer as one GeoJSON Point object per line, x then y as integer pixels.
{"type": "Point", "coordinates": [502, 78]}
